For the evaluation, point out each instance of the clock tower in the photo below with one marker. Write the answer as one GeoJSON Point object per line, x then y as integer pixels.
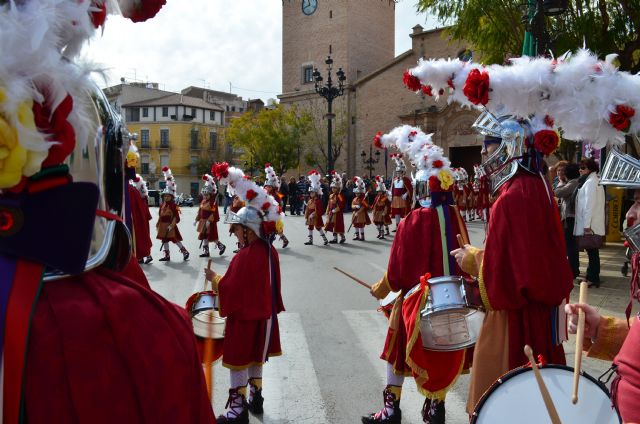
{"type": "Point", "coordinates": [358, 34]}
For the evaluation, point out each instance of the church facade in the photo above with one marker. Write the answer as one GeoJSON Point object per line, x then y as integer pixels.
{"type": "Point", "coordinates": [359, 36]}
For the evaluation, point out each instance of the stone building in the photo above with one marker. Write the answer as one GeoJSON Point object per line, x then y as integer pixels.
{"type": "Point", "coordinates": [359, 36]}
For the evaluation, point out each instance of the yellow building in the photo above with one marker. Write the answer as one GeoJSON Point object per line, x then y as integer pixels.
{"type": "Point", "coordinates": [178, 131]}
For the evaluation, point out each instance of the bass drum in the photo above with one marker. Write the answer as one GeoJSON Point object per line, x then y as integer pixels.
{"type": "Point", "coordinates": [515, 398]}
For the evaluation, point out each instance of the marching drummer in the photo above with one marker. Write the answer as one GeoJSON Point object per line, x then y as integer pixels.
{"type": "Point", "coordinates": [246, 294]}
{"type": "Point", "coordinates": [434, 372]}
{"type": "Point", "coordinates": [314, 210]}
{"type": "Point", "coordinates": [522, 290]}
{"type": "Point", "coordinates": [335, 208]}
{"type": "Point", "coordinates": [381, 208]}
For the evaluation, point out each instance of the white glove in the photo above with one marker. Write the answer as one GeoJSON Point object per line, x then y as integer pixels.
{"type": "Point", "coordinates": [357, 206]}
{"type": "Point", "coordinates": [169, 227]}
{"type": "Point", "coordinates": [207, 225]}
{"type": "Point", "coordinates": [333, 210]}
{"type": "Point", "coordinates": [404, 196]}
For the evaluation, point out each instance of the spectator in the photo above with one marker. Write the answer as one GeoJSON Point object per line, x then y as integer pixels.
{"type": "Point", "coordinates": [556, 172]}
{"type": "Point", "coordinates": [302, 194]}
{"type": "Point", "coordinates": [347, 192]}
{"type": "Point", "coordinates": [293, 196]}
{"type": "Point", "coordinates": [325, 193]}
{"type": "Point", "coordinates": [227, 197]}
{"type": "Point", "coordinates": [565, 191]}
{"type": "Point", "coordinates": [284, 192]}
{"type": "Point", "coordinates": [590, 214]}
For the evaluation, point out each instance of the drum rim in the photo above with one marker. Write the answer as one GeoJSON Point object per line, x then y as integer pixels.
{"type": "Point", "coordinates": [443, 278]}
{"type": "Point", "coordinates": [517, 371]}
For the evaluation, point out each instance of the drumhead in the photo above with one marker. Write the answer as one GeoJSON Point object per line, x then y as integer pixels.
{"type": "Point", "coordinates": [515, 398]}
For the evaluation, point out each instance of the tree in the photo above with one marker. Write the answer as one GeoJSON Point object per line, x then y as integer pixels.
{"type": "Point", "coordinates": [495, 27]}
{"type": "Point", "coordinates": [270, 135]}
{"type": "Point", "coordinates": [315, 142]}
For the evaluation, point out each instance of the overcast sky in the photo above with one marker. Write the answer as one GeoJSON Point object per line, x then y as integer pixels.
{"type": "Point", "coordinates": [212, 43]}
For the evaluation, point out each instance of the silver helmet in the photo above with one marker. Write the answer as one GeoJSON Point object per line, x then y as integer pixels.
{"type": "Point", "coordinates": [505, 161]}
{"type": "Point", "coordinates": [421, 184]}
{"type": "Point", "coordinates": [248, 216]}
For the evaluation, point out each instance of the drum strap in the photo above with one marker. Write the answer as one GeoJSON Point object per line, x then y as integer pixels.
{"type": "Point", "coordinates": [446, 238]}
{"type": "Point", "coordinates": [274, 303]}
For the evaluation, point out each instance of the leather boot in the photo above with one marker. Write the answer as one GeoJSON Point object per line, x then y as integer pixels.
{"type": "Point", "coordinates": [285, 241]}
{"type": "Point", "coordinates": [148, 259]}
{"type": "Point", "coordinates": [256, 402]}
{"type": "Point", "coordinates": [389, 414]}
{"type": "Point", "coordinates": [387, 233]}
{"type": "Point", "coordinates": [310, 242]}
{"type": "Point", "coordinates": [166, 257]}
{"type": "Point", "coordinates": [335, 239]}
{"type": "Point", "coordinates": [221, 248]}
{"type": "Point", "coordinates": [185, 254]}
{"type": "Point", "coordinates": [356, 236]}
{"type": "Point", "coordinates": [205, 252]}
{"type": "Point", "coordinates": [433, 412]}
{"type": "Point", "coordinates": [324, 238]}
{"type": "Point", "coordinates": [343, 239]}
{"type": "Point", "coordinates": [238, 412]}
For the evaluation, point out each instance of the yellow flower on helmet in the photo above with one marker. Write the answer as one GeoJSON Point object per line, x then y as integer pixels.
{"type": "Point", "coordinates": [446, 179]}
{"type": "Point", "coordinates": [15, 160]}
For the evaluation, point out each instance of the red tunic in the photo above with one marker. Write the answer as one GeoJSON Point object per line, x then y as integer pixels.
{"type": "Point", "coordinates": [525, 270]}
{"type": "Point", "coordinates": [627, 385]}
{"type": "Point", "coordinates": [360, 217]}
{"type": "Point", "coordinates": [335, 220]}
{"type": "Point", "coordinates": [169, 215]}
{"type": "Point", "coordinates": [400, 206]}
{"type": "Point", "coordinates": [104, 349]}
{"type": "Point", "coordinates": [315, 221]}
{"type": "Point", "coordinates": [246, 301]}
{"type": "Point", "coordinates": [381, 206]}
{"type": "Point", "coordinates": [140, 216]}
{"type": "Point", "coordinates": [416, 250]}
{"type": "Point", "coordinates": [208, 212]}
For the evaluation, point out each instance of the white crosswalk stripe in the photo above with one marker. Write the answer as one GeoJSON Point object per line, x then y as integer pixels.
{"type": "Point", "coordinates": [371, 327]}
{"type": "Point", "coordinates": [290, 387]}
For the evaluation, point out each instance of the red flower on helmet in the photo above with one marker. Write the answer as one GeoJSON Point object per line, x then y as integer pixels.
{"type": "Point", "coordinates": [98, 17]}
{"type": "Point", "coordinates": [142, 10]}
{"type": "Point", "coordinates": [220, 170]}
{"type": "Point", "coordinates": [59, 130]}
{"type": "Point", "coordinates": [266, 165]}
{"type": "Point", "coordinates": [441, 92]}
{"type": "Point", "coordinates": [136, 179]}
{"type": "Point", "coordinates": [438, 163]}
{"type": "Point", "coordinates": [411, 82]}
{"type": "Point", "coordinates": [165, 168]}
{"type": "Point", "coordinates": [204, 178]}
{"type": "Point", "coordinates": [376, 140]}
{"type": "Point", "coordinates": [251, 194]}
{"type": "Point", "coordinates": [266, 206]}
{"type": "Point", "coordinates": [476, 87]}
{"type": "Point", "coordinates": [546, 141]}
{"type": "Point", "coordinates": [621, 119]}
{"type": "Point", "coordinates": [434, 183]}
{"type": "Point", "coordinates": [548, 121]}
{"type": "Point", "coordinates": [312, 172]}
{"type": "Point", "coordinates": [426, 89]}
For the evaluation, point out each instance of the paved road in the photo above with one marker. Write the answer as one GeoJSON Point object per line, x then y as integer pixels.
{"type": "Point", "coordinates": [331, 333]}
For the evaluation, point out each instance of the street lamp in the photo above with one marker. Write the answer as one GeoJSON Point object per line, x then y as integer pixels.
{"type": "Point", "coordinates": [534, 19]}
{"type": "Point", "coordinates": [371, 161]}
{"type": "Point", "coordinates": [329, 92]}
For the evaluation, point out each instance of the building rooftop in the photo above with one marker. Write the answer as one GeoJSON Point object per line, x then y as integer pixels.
{"type": "Point", "coordinates": [176, 99]}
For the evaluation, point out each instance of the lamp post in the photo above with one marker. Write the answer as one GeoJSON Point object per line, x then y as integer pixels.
{"type": "Point", "coordinates": [329, 91]}
{"type": "Point", "coordinates": [370, 161]}
{"type": "Point", "coordinates": [248, 165]}
{"type": "Point", "coordinates": [534, 20]}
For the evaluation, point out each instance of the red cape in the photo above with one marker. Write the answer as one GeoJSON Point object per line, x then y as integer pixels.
{"type": "Point", "coordinates": [525, 268]}
{"type": "Point", "coordinates": [140, 216]}
{"type": "Point", "coordinates": [104, 349]}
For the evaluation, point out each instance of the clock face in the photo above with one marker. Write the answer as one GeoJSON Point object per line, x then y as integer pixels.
{"type": "Point", "coordinates": [309, 6]}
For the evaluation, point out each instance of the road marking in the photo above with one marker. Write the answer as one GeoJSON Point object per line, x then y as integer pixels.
{"type": "Point", "coordinates": [371, 329]}
{"type": "Point", "coordinates": [290, 387]}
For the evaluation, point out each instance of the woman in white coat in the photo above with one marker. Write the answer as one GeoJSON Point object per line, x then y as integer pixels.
{"type": "Point", "coordinates": [590, 214]}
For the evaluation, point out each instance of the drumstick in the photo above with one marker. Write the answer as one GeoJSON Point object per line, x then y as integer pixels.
{"type": "Point", "coordinates": [579, 340]}
{"type": "Point", "coordinates": [357, 280]}
{"type": "Point", "coordinates": [208, 347]}
{"type": "Point", "coordinates": [461, 241]}
{"type": "Point", "coordinates": [546, 397]}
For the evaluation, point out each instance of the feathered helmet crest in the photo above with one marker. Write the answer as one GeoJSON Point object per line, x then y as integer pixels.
{"type": "Point", "coordinates": [397, 159]}
{"type": "Point", "coordinates": [359, 186]}
{"type": "Point", "coordinates": [261, 212]}
{"type": "Point", "coordinates": [141, 185]}
{"type": "Point", "coordinates": [170, 183]}
{"type": "Point", "coordinates": [336, 180]}
{"type": "Point", "coordinates": [314, 182]}
{"type": "Point", "coordinates": [380, 187]}
{"type": "Point", "coordinates": [271, 179]}
{"type": "Point", "coordinates": [209, 185]}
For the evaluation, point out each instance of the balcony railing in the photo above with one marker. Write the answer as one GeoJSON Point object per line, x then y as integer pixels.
{"type": "Point", "coordinates": [164, 144]}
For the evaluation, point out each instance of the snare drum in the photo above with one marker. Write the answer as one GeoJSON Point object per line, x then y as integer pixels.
{"type": "Point", "coordinates": [386, 304]}
{"type": "Point", "coordinates": [205, 315]}
{"type": "Point", "coordinates": [515, 398]}
{"type": "Point", "coordinates": [449, 322]}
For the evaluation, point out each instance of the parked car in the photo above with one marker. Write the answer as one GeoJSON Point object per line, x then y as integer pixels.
{"type": "Point", "coordinates": [181, 200]}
